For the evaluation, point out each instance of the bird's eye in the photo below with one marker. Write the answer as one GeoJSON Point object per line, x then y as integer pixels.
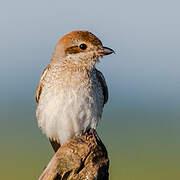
{"type": "Point", "coordinates": [83, 46]}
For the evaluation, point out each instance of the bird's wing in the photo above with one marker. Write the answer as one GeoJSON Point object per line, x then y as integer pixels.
{"type": "Point", "coordinates": [103, 84]}
{"type": "Point", "coordinates": [40, 85]}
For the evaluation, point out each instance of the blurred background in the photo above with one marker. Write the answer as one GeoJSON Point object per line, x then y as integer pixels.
{"type": "Point", "coordinates": [141, 122]}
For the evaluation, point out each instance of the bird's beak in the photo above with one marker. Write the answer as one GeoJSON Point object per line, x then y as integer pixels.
{"type": "Point", "coordinates": [107, 51]}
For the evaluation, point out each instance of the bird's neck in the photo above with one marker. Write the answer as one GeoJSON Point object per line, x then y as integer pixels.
{"type": "Point", "coordinates": [70, 64]}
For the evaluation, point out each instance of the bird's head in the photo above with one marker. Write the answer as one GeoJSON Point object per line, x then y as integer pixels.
{"type": "Point", "coordinates": [79, 48]}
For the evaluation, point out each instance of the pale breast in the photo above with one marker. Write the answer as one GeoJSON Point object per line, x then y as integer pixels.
{"type": "Point", "coordinates": [70, 103]}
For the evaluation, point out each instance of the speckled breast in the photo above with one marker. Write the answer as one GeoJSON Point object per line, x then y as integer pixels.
{"type": "Point", "coordinates": [70, 103]}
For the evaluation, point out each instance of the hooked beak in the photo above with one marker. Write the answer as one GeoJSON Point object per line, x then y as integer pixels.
{"type": "Point", "coordinates": [107, 51]}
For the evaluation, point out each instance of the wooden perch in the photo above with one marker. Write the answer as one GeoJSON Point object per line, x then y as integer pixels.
{"type": "Point", "coordinates": [82, 158]}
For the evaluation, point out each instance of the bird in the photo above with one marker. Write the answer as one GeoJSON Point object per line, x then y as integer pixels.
{"type": "Point", "coordinates": [72, 92]}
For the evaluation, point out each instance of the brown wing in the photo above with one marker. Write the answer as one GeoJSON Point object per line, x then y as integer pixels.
{"type": "Point", "coordinates": [40, 85]}
{"type": "Point", "coordinates": [103, 84]}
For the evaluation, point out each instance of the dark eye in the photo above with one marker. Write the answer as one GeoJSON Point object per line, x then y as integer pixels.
{"type": "Point", "coordinates": [83, 46]}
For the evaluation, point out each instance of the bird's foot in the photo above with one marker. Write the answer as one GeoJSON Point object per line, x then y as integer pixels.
{"type": "Point", "coordinates": [93, 132]}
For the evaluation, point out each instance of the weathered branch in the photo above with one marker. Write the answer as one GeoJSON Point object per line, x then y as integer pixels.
{"type": "Point", "coordinates": [82, 158]}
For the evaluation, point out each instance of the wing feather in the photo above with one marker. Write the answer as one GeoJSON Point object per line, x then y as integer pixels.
{"type": "Point", "coordinates": [40, 85]}
{"type": "Point", "coordinates": [103, 84]}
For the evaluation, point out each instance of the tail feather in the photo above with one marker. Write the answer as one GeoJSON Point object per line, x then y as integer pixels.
{"type": "Point", "coordinates": [55, 145]}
